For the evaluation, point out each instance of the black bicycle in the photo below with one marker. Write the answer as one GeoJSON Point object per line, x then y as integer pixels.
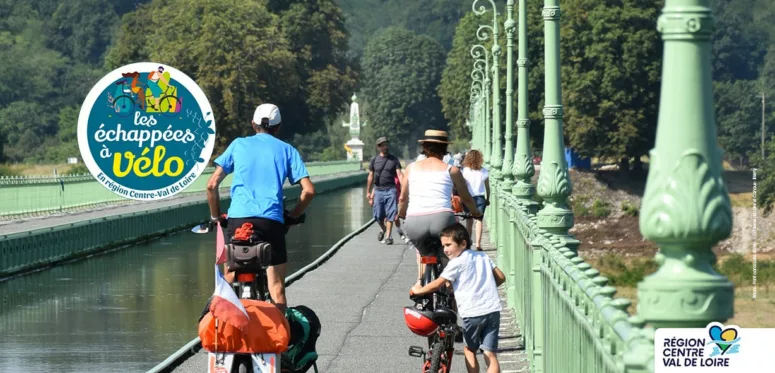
{"type": "Point", "coordinates": [434, 312]}
{"type": "Point", "coordinates": [249, 257]}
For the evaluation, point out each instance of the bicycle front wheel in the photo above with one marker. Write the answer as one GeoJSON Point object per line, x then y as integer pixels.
{"type": "Point", "coordinates": [169, 106]}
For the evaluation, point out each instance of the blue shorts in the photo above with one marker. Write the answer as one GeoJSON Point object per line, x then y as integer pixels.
{"type": "Point", "coordinates": [385, 204]}
{"type": "Point", "coordinates": [482, 332]}
{"type": "Point", "coordinates": [481, 204]}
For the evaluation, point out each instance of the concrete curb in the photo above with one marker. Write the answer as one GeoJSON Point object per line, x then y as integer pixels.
{"type": "Point", "coordinates": [195, 345]}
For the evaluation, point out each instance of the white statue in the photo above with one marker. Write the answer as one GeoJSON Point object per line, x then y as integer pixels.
{"type": "Point", "coordinates": [354, 147]}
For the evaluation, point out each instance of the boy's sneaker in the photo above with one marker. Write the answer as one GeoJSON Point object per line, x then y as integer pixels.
{"type": "Point", "coordinates": [381, 236]}
{"type": "Point", "coordinates": [388, 241]}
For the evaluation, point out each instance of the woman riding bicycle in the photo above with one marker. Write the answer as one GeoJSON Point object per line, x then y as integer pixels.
{"type": "Point", "coordinates": [426, 195]}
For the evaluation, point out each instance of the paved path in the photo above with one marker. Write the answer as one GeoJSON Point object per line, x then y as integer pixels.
{"type": "Point", "coordinates": [45, 220]}
{"type": "Point", "coordinates": [359, 295]}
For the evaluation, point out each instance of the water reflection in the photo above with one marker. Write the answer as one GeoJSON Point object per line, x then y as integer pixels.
{"type": "Point", "coordinates": [128, 310]}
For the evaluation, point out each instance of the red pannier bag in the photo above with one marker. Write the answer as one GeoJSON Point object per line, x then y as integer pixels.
{"type": "Point", "coordinates": [268, 331]}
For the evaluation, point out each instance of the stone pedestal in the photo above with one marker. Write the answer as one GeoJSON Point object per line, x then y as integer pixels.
{"type": "Point", "coordinates": [356, 147]}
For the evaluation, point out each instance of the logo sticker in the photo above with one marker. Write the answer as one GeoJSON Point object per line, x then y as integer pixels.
{"type": "Point", "coordinates": [146, 131]}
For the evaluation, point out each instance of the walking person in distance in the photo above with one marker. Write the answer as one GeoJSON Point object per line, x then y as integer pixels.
{"type": "Point", "coordinates": [383, 170]}
{"type": "Point", "coordinates": [478, 183]}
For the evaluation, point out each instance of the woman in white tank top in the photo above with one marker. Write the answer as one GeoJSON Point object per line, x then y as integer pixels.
{"type": "Point", "coordinates": [426, 194]}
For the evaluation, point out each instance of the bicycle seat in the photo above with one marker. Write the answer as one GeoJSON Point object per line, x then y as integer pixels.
{"type": "Point", "coordinates": [444, 316]}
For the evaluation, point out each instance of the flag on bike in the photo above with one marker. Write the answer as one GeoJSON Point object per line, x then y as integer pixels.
{"type": "Point", "coordinates": [220, 246]}
{"type": "Point", "coordinates": [225, 304]}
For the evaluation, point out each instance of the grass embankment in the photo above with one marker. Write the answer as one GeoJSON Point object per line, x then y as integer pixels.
{"type": "Point", "coordinates": [625, 274]}
{"type": "Point", "coordinates": [42, 169]}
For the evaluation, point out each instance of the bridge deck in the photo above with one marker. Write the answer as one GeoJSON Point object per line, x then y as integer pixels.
{"type": "Point", "coordinates": [52, 219]}
{"type": "Point", "coordinates": [359, 295]}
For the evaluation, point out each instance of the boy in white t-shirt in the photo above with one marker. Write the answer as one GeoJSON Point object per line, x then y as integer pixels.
{"type": "Point", "coordinates": [475, 280]}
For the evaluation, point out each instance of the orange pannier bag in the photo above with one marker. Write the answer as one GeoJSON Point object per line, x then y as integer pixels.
{"type": "Point", "coordinates": [268, 331]}
{"type": "Point", "coordinates": [456, 204]}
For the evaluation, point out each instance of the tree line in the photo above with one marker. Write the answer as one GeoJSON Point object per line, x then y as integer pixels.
{"type": "Point", "coordinates": [303, 55]}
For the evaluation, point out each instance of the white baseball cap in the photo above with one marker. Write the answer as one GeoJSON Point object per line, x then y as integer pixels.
{"type": "Point", "coordinates": [268, 111]}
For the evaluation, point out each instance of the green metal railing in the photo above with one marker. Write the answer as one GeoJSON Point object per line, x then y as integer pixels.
{"type": "Point", "coordinates": [25, 251]}
{"type": "Point", "coordinates": [569, 316]}
{"type": "Point", "coordinates": [21, 196]}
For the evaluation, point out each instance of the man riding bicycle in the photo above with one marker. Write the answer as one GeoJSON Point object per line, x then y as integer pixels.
{"type": "Point", "coordinates": [261, 163]}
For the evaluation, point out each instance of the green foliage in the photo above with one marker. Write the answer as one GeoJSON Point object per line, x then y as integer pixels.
{"type": "Point", "coordinates": [434, 18]}
{"type": "Point", "coordinates": [401, 72]}
{"type": "Point", "coordinates": [234, 51]}
{"type": "Point", "coordinates": [735, 267]}
{"type": "Point", "coordinates": [53, 52]}
{"type": "Point", "coordinates": [578, 204]}
{"type": "Point", "coordinates": [765, 178]}
{"type": "Point", "coordinates": [82, 29]}
{"type": "Point", "coordinates": [8, 171]}
{"type": "Point", "coordinates": [629, 209]}
{"type": "Point", "coordinates": [241, 55]}
{"type": "Point", "coordinates": [740, 270]}
{"type": "Point", "coordinates": [621, 273]}
{"type": "Point", "coordinates": [316, 32]}
{"type": "Point", "coordinates": [611, 59]}
{"type": "Point", "coordinates": [455, 88]}
{"type": "Point", "coordinates": [600, 209]}
{"type": "Point", "coordinates": [739, 44]}
{"type": "Point", "coordinates": [78, 169]}
{"type": "Point", "coordinates": [738, 114]}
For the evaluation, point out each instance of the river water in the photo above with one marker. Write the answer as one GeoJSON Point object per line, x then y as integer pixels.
{"type": "Point", "coordinates": [128, 310]}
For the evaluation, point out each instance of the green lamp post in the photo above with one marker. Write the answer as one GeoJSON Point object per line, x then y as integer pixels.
{"type": "Point", "coordinates": [479, 53]}
{"type": "Point", "coordinates": [523, 169]}
{"type": "Point", "coordinates": [494, 160]}
{"type": "Point", "coordinates": [685, 207]}
{"type": "Point", "coordinates": [477, 110]}
{"type": "Point", "coordinates": [510, 27]}
{"type": "Point", "coordinates": [554, 184]}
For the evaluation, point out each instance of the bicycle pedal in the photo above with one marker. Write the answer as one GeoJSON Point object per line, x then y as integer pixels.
{"type": "Point", "coordinates": [416, 351]}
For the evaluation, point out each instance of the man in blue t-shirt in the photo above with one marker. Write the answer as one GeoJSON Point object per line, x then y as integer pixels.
{"type": "Point", "coordinates": [261, 163]}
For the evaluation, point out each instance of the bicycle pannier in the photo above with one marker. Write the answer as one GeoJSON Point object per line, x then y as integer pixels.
{"type": "Point", "coordinates": [305, 330]}
{"type": "Point", "coordinates": [253, 257]}
{"type": "Point", "coordinates": [268, 331]}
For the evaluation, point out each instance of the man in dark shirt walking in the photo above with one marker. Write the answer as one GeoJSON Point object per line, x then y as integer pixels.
{"type": "Point", "coordinates": [383, 169]}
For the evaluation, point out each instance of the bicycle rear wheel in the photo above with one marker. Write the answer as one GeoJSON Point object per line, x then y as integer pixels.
{"type": "Point", "coordinates": [437, 365]}
{"type": "Point", "coordinates": [124, 106]}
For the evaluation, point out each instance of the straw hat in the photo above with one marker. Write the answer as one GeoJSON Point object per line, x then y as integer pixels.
{"type": "Point", "coordinates": [436, 136]}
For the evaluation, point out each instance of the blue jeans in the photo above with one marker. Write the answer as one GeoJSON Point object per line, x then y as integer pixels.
{"type": "Point", "coordinates": [481, 204]}
{"type": "Point", "coordinates": [482, 332]}
{"type": "Point", "coordinates": [385, 204]}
